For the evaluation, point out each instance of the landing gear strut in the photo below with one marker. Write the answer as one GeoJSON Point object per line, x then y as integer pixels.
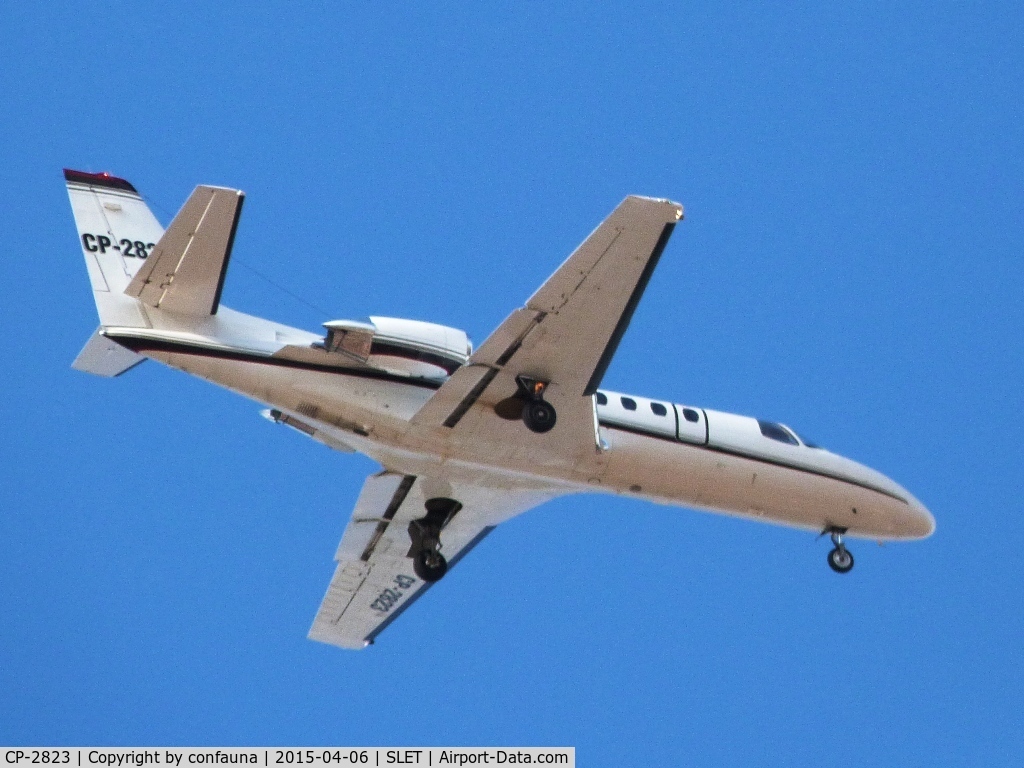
{"type": "Point", "coordinates": [840, 559]}
{"type": "Point", "coordinates": [427, 560]}
{"type": "Point", "coordinates": [538, 414]}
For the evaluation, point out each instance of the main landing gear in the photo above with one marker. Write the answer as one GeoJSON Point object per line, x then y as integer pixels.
{"type": "Point", "coordinates": [430, 565]}
{"type": "Point", "coordinates": [427, 560]}
{"type": "Point", "coordinates": [840, 559]}
{"type": "Point", "coordinates": [538, 414]}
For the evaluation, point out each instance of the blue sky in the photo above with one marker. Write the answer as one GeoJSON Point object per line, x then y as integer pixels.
{"type": "Point", "coordinates": [850, 264]}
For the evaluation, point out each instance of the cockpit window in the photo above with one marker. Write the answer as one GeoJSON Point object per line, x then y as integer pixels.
{"type": "Point", "coordinates": [658, 409]}
{"type": "Point", "coordinates": [778, 432]}
{"type": "Point", "coordinates": [602, 398]}
{"type": "Point", "coordinates": [628, 403]}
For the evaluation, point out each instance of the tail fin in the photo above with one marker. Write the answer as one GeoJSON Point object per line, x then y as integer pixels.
{"type": "Point", "coordinates": [117, 231]}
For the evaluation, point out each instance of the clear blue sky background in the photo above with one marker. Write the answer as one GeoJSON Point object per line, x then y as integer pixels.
{"type": "Point", "coordinates": [850, 264]}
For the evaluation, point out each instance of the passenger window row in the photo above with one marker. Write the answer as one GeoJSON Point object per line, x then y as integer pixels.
{"type": "Point", "coordinates": [630, 404]}
{"type": "Point", "coordinates": [656, 418]}
{"type": "Point", "coordinates": [691, 425]}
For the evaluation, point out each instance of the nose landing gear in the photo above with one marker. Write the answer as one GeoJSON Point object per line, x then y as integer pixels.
{"type": "Point", "coordinates": [840, 559]}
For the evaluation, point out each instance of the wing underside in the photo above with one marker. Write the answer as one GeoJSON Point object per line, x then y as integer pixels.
{"type": "Point", "coordinates": [374, 581]}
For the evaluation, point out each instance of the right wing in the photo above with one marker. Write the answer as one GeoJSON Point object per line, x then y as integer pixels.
{"type": "Point", "coordinates": [374, 580]}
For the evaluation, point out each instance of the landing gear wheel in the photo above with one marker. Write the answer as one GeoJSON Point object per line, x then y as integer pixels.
{"type": "Point", "coordinates": [429, 566]}
{"type": "Point", "coordinates": [840, 560]}
{"type": "Point", "coordinates": [539, 416]}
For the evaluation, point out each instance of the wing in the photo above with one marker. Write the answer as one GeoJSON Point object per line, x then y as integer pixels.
{"type": "Point", "coordinates": [374, 580]}
{"type": "Point", "coordinates": [570, 328]}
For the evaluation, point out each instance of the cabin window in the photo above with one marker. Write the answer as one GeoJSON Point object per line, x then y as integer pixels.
{"type": "Point", "coordinates": [602, 398]}
{"type": "Point", "coordinates": [628, 403]}
{"type": "Point", "coordinates": [691, 415]}
{"type": "Point", "coordinates": [659, 409]}
{"type": "Point", "coordinates": [777, 432]}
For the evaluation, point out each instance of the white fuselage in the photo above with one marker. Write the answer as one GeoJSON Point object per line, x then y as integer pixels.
{"type": "Point", "coordinates": [655, 450]}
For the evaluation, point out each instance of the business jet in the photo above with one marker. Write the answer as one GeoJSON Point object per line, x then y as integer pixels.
{"type": "Point", "coordinates": [466, 438]}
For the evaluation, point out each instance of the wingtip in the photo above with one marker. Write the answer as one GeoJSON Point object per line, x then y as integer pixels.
{"type": "Point", "coordinates": [677, 208]}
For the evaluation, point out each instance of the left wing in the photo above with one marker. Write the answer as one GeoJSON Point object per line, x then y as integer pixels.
{"type": "Point", "coordinates": [375, 580]}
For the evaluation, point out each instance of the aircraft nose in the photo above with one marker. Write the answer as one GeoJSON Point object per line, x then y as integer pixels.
{"type": "Point", "coordinates": [918, 522]}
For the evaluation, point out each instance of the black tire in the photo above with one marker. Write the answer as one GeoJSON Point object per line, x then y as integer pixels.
{"type": "Point", "coordinates": [840, 560]}
{"type": "Point", "coordinates": [539, 416]}
{"type": "Point", "coordinates": [430, 566]}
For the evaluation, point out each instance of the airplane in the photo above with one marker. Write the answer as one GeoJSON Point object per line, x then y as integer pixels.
{"type": "Point", "coordinates": [466, 438]}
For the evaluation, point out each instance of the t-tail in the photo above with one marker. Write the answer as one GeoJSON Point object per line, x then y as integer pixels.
{"type": "Point", "coordinates": [135, 266]}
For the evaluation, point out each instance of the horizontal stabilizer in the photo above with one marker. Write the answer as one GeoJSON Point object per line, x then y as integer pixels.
{"type": "Point", "coordinates": [104, 357]}
{"type": "Point", "coordinates": [186, 270]}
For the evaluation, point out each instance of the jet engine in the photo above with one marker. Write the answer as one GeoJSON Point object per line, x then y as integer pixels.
{"type": "Point", "coordinates": [404, 347]}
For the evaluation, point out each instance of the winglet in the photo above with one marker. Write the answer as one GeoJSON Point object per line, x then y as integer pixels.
{"type": "Point", "coordinates": [186, 270]}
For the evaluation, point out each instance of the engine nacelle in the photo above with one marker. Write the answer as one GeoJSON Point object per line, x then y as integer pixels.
{"type": "Point", "coordinates": [408, 347]}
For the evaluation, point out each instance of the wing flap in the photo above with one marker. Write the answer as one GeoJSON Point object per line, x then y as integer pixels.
{"type": "Point", "coordinates": [465, 386]}
{"type": "Point", "coordinates": [378, 502]}
{"type": "Point", "coordinates": [506, 339]}
{"type": "Point", "coordinates": [185, 272]}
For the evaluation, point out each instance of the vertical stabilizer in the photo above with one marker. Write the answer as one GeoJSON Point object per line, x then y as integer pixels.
{"type": "Point", "coordinates": [117, 232]}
